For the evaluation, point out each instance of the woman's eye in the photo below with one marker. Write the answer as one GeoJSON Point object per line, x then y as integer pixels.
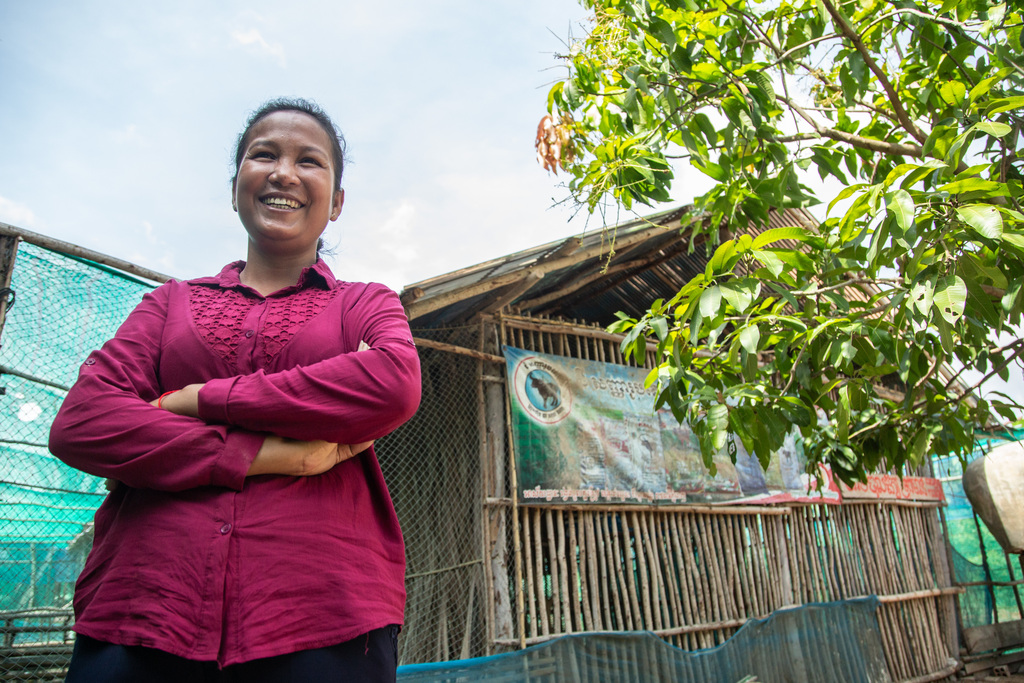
{"type": "Point", "coordinates": [261, 155]}
{"type": "Point", "coordinates": [310, 160]}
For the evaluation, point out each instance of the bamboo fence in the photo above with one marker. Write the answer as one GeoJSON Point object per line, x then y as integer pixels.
{"type": "Point", "coordinates": [693, 575]}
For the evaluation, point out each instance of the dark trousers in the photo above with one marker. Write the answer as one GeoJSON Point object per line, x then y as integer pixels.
{"type": "Point", "coordinates": [372, 657]}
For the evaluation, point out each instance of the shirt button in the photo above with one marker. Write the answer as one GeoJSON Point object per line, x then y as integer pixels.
{"type": "Point", "coordinates": [225, 529]}
{"type": "Point", "coordinates": [90, 361]}
{"type": "Point", "coordinates": [248, 333]}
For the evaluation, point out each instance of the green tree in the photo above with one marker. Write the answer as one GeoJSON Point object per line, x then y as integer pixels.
{"type": "Point", "coordinates": [915, 106]}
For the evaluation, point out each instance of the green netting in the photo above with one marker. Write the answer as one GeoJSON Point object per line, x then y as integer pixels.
{"type": "Point", "coordinates": [65, 308]}
{"type": "Point", "coordinates": [977, 556]}
{"type": "Point", "coordinates": [836, 641]}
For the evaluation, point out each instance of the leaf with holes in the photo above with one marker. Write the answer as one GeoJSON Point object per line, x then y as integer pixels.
{"type": "Point", "coordinates": [950, 298]}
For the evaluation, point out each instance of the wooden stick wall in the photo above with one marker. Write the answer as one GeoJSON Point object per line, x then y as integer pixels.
{"type": "Point", "coordinates": [695, 575]}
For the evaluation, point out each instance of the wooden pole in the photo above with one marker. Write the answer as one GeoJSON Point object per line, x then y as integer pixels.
{"type": "Point", "coordinates": [538, 559]}
{"type": "Point", "coordinates": [516, 518]}
{"type": "Point", "coordinates": [81, 252]}
{"type": "Point", "coordinates": [577, 564]}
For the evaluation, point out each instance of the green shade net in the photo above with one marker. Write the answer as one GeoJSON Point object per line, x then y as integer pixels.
{"type": "Point", "coordinates": [977, 555]}
{"type": "Point", "coordinates": [64, 308]}
{"type": "Point", "coordinates": [835, 641]}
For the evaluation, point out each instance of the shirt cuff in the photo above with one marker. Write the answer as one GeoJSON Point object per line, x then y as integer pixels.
{"type": "Point", "coordinates": [240, 449]}
{"type": "Point", "coordinates": [213, 400]}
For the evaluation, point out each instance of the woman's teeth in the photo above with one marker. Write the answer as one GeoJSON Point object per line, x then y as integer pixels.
{"type": "Point", "coordinates": [281, 203]}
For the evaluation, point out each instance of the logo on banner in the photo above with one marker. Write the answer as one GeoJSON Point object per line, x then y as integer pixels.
{"type": "Point", "coordinates": [543, 391]}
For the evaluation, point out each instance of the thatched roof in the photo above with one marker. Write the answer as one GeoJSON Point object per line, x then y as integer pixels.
{"type": "Point", "coordinates": [623, 268]}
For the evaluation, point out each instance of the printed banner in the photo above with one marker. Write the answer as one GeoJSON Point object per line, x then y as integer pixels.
{"type": "Point", "coordinates": [587, 432]}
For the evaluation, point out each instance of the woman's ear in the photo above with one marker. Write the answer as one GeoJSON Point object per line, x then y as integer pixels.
{"type": "Point", "coordinates": [234, 205]}
{"type": "Point", "coordinates": [339, 200]}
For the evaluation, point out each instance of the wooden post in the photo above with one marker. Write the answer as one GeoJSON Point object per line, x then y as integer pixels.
{"type": "Point", "coordinates": [516, 541]}
{"type": "Point", "coordinates": [494, 465]}
{"type": "Point", "coordinates": [8, 252]}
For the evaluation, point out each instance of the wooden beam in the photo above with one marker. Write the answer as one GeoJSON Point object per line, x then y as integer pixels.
{"type": "Point", "coordinates": [81, 252]}
{"type": "Point", "coordinates": [974, 666]}
{"type": "Point", "coordinates": [8, 252]}
{"type": "Point", "coordinates": [514, 292]}
{"type": "Point", "coordinates": [994, 636]}
{"type": "Point", "coordinates": [461, 350]}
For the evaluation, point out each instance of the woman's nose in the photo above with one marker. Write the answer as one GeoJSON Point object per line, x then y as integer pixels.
{"type": "Point", "coordinates": [284, 173]}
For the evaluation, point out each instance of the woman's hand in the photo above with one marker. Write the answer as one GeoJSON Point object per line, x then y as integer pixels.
{"type": "Point", "coordinates": [183, 402]}
{"type": "Point", "coordinates": [294, 458]}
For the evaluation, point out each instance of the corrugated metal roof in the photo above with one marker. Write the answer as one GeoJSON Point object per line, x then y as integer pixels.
{"type": "Point", "coordinates": [622, 268]}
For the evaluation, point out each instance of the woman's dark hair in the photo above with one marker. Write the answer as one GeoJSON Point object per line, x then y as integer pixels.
{"type": "Point", "coordinates": [306, 107]}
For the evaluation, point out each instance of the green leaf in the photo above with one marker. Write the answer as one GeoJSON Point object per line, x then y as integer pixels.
{"type": "Point", "coordinates": [738, 296]}
{"type": "Point", "coordinates": [710, 301]}
{"type": "Point", "coordinates": [620, 326]}
{"type": "Point", "coordinates": [763, 82]}
{"type": "Point", "coordinates": [939, 141]}
{"type": "Point", "coordinates": [843, 194]}
{"type": "Point", "coordinates": [629, 104]}
{"type": "Point", "coordinates": [1016, 239]}
{"type": "Point", "coordinates": [919, 446]}
{"type": "Point", "coordinates": [660, 327]}
{"type": "Point", "coordinates": [772, 262]}
{"type": "Point", "coordinates": [984, 218]}
{"type": "Point", "coordinates": [950, 298]}
{"type": "Point", "coordinates": [989, 187]}
{"type": "Point", "coordinates": [998, 106]}
{"type": "Point", "coordinates": [901, 204]}
{"type": "Point", "coordinates": [952, 92]}
{"type": "Point", "coordinates": [718, 424]}
{"type": "Point", "coordinates": [720, 261]}
{"type": "Point", "coordinates": [750, 336]}
{"type": "Point", "coordinates": [777, 234]}
{"type": "Point", "coordinates": [843, 414]}
{"type": "Point", "coordinates": [640, 349]}
{"type": "Point", "coordinates": [993, 128]}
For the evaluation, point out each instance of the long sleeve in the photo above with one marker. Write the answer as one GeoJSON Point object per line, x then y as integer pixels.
{"type": "Point", "coordinates": [348, 398]}
{"type": "Point", "coordinates": [107, 428]}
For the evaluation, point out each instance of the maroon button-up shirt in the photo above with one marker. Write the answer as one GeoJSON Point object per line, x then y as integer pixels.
{"type": "Point", "coordinates": [192, 557]}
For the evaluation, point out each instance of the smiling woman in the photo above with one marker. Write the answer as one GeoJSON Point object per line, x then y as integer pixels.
{"type": "Point", "coordinates": [249, 534]}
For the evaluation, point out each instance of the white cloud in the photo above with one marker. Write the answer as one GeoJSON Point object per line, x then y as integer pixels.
{"type": "Point", "coordinates": [397, 231]}
{"type": "Point", "coordinates": [17, 214]}
{"type": "Point", "coordinates": [254, 38]}
{"type": "Point", "coordinates": [151, 235]}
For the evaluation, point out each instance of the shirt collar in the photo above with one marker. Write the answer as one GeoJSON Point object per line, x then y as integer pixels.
{"type": "Point", "coordinates": [316, 275]}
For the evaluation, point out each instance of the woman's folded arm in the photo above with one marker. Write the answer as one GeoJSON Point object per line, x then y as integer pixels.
{"type": "Point", "coordinates": [349, 398]}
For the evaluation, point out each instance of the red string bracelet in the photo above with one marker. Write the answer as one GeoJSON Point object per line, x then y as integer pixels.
{"type": "Point", "coordinates": [164, 395]}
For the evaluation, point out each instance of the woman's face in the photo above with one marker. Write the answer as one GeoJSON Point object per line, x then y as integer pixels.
{"type": "Point", "coordinates": [284, 191]}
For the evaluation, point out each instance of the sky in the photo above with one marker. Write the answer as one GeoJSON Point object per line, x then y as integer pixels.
{"type": "Point", "coordinates": [120, 118]}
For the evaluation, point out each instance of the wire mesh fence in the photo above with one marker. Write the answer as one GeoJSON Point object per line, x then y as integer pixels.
{"type": "Point", "coordinates": [432, 466]}
{"type": "Point", "coordinates": [63, 307]}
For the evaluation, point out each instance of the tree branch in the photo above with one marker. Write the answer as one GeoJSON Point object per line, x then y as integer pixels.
{"type": "Point", "coordinates": [897, 105]}
{"type": "Point", "coordinates": [964, 28]}
{"type": "Point", "coordinates": [856, 140]}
